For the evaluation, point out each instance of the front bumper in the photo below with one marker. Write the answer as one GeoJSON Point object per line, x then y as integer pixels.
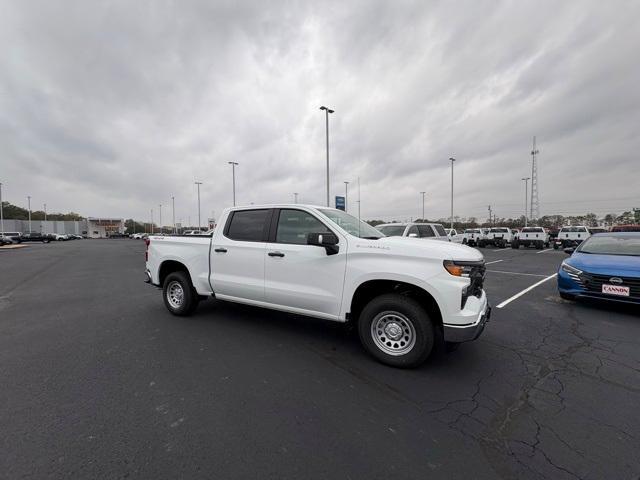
{"type": "Point", "coordinates": [467, 333]}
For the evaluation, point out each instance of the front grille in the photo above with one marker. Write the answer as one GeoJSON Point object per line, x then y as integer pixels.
{"type": "Point", "coordinates": [593, 282]}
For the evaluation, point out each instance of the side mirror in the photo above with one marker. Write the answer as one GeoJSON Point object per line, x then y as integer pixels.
{"type": "Point", "coordinates": [569, 250]}
{"type": "Point", "coordinates": [327, 240]}
{"type": "Point", "coordinates": [413, 235]}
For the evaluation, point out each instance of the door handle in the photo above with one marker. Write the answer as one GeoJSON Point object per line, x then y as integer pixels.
{"type": "Point", "coordinates": [276, 254]}
{"type": "Point", "coordinates": [221, 250]}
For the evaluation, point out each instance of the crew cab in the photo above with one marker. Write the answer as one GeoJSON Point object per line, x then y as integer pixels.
{"type": "Point", "coordinates": [536, 237]}
{"type": "Point", "coordinates": [471, 236]}
{"type": "Point", "coordinates": [498, 236]}
{"type": "Point", "coordinates": [404, 294]}
{"type": "Point", "coordinates": [434, 231]}
{"type": "Point", "coordinates": [571, 237]}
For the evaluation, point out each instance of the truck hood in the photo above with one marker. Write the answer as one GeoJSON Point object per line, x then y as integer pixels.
{"type": "Point", "coordinates": [425, 248]}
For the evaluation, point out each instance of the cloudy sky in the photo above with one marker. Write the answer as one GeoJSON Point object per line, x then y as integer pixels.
{"type": "Point", "coordinates": [109, 108]}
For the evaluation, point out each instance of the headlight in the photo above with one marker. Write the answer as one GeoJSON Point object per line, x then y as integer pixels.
{"type": "Point", "coordinates": [569, 269]}
{"type": "Point", "coordinates": [459, 269]}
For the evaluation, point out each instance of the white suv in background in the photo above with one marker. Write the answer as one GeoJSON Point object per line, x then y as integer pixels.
{"type": "Point", "coordinates": [434, 231]}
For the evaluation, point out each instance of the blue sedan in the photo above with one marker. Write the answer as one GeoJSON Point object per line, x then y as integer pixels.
{"type": "Point", "coordinates": [604, 266]}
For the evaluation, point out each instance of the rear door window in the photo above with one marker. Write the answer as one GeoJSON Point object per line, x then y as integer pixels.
{"type": "Point", "coordinates": [425, 231]}
{"type": "Point", "coordinates": [440, 230]}
{"type": "Point", "coordinates": [248, 225]}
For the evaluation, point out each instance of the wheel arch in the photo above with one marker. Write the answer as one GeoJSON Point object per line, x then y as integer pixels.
{"type": "Point", "coordinates": [170, 266]}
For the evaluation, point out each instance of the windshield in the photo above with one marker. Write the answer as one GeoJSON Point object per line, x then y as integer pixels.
{"type": "Point", "coordinates": [392, 230]}
{"type": "Point", "coordinates": [532, 230]}
{"type": "Point", "coordinates": [610, 245]}
{"type": "Point", "coordinates": [500, 230]}
{"type": "Point", "coordinates": [351, 224]}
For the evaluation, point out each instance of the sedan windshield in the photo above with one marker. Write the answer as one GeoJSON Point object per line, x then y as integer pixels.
{"type": "Point", "coordinates": [351, 224]}
{"type": "Point", "coordinates": [611, 245]}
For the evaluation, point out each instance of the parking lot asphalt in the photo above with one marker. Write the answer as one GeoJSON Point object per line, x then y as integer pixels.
{"type": "Point", "coordinates": [98, 380]}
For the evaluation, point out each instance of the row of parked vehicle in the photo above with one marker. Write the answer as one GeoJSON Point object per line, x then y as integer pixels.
{"type": "Point", "coordinates": [7, 238]}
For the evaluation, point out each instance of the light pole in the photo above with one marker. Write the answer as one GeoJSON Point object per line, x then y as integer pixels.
{"type": "Point", "coordinates": [346, 195]}
{"type": "Point", "coordinates": [423, 194]}
{"type": "Point", "coordinates": [295, 197]}
{"type": "Point", "coordinates": [526, 196]}
{"type": "Point", "coordinates": [45, 218]}
{"type": "Point", "coordinates": [151, 228]}
{"type": "Point", "coordinates": [160, 220]}
{"type": "Point", "coordinates": [233, 174]}
{"type": "Point", "coordinates": [1, 212]}
{"type": "Point", "coordinates": [29, 203]}
{"type": "Point", "coordinates": [173, 213]}
{"type": "Point", "coordinates": [327, 111]}
{"type": "Point", "coordinates": [198, 184]}
{"type": "Point", "coordinates": [452, 160]}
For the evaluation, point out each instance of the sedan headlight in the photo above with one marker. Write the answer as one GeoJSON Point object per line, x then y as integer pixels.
{"type": "Point", "coordinates": [569, 269]}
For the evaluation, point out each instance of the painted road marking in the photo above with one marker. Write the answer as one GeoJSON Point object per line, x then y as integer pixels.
{"type": "Point", "coordinates": [495, 261]}
{"type": "Point", "coordinates": [545, 250]}
{"type": "Point", "coordinates": [528, 289]}
{"type": "Point", "coordinates": [517, 273]}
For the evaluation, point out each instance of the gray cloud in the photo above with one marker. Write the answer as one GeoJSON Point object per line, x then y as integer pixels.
{"type": "Point", "coordinates": [110, 108]}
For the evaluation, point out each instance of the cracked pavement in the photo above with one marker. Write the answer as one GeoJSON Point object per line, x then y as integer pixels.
{"type": "Point", "coordinates": [99, 381]}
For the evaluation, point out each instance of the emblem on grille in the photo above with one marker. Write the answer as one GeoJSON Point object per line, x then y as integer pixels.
{"type": "Point", "coordinates": [615, 280]}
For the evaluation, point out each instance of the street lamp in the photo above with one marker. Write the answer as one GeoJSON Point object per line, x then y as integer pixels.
{"type": "Point", "coordinates": [526, 196]}
{"type": "Point", "coordinates": [423, 194]}
{"type": "Point", "coordinates": [198, 184]}
{"type": "Point", "coordinates": [452, 160]}
{"type": "Point", "coordinates": [327, 111]}
{"type": "Point", "coordinates": [29, 203]}
{"type": "Point", "coordinates": [295, 197]}
{"type": "Point", "coordinates": [1, 212]}
{"type": "Point", "coordinates": [45, 218]}
{"type": "Point", "coordinates": [233, 173]}
{"type": "Point", "coordinates": [160, 220]}
{"type": "Point", "coordinates": [173, 215]}
{"type": "Point", "coordinates": [346, 195]}
{"type": "Point", "coordinates": [151, 227]}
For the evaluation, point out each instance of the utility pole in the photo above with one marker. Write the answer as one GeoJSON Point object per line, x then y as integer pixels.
{"type": "Point", "coordinates": [198, 184]}
{"type": "Point", "coordinates": [295, 197]}
{"type": "Point", "coordinates": [173, 209]}
{"type": "Point", "coordinates": [233, 169]}
{"type": "Point", "coordinates": [346, 196]}
{"type": "Point", "coordinates": [535, 205]}
{"type": "Point", "coordinates": [423, 194]}
{"type": "Point", "coordinates": [151, 227]}
{"type": "Point", "coordinates": [490, 224]}
{"type": "Point", "coordinates": [45, 218]}
{"type": "Point", "coordinates": [358, 199]}
{"type": "Point", "coordinates": [1, 212]}
{"type": "Point", "coordinates": [452, 160]}
{"type": "Point", "coordinates": [526, 196]}
{"type": "Point", "coordinates": [29, 203]}
{"type": "Point", "coordinates": [160, 220]}
{"type": "Point", "coordinates": [327, 111]}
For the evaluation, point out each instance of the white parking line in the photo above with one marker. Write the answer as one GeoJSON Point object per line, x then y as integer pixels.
{"type": "Point", "coordinates": [528, 289]}
{"type": "Point", "coordinates": [545, 250]}
{"type": "Point", "coordinates": [495, 261]}
{"type": "Point", "coordinates": [517, 273]}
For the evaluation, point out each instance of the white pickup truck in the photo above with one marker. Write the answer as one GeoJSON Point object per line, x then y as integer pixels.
{"type": "Point", "coordinates": [404, 294]}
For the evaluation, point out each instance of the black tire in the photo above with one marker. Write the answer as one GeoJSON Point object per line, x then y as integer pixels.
{"type": "Point", "coordinates": [555, 246]}
{"type": "Point", "coordinates": [515, 244]}
{"type": "Point", "coordinates": [183, 299]}
{"type": "Point", "coordinates": [464, 241]}
{"type": "Point", "coordinates": [566, 296]}
{"type": "Point", "coordinates": [415, 327]}
{"type": "Point", "coordinates": [480, 244]}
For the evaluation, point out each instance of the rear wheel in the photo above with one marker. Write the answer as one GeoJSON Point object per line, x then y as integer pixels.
{"type": "Point", "coordinates": [515, 244]}
{"type": "Point", "coordinates": [179, 296]}
{"type": "Point", "coordinates": [481, 244]}
{"type": "Point", "coordinates": [396, 330]}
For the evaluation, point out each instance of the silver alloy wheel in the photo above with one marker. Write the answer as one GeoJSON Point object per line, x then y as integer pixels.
{"type": "Point", "coordinates": [175, 294]}
{"type": "Point", "coordinates": [393, 333]}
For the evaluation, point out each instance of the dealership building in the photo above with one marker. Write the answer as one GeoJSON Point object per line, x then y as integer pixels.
{"type": "Point", "coordinates": [91, 227]}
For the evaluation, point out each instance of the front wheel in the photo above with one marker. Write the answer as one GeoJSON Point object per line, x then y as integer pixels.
{"type": "Point", "coordinates": [396, 330]}
{"type": "Point", "coordinates": [178, 294]}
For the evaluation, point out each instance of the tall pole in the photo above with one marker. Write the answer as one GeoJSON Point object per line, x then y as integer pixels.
{"type": "Point", "coordinates": [1, 212]}
{"type": "Point", "coordinates": [45, 218]}
{"type": "Point", "coordinates": [233, 175]}
{"type": "Point", "coordinates": [358, 201]}
{"type": "Point", "coordinates": [423, 194]}
{"type": "Point", "coordinates": [346, 195]}
{"type": "Point", "coordinates": [160, 219]}
{"type": "Point", "coordinates": [452, 160]}
{"type": "Point", "coordinates": [295, 197]}
{"type": "Point", "coordinates": [526, 197]}
{"type": "Point", "coordinates": [489, 207]}
{"type": "Point", "coordinates": [198, 184]}
{"type": "Point", "coordinates": [327, 111]}
{"type": "Point", "coordinates": [173, 214]}
{"type": "Point", "coordinates": [151, 228]}
{"type": "Point", "coordinates": [29, 203]}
